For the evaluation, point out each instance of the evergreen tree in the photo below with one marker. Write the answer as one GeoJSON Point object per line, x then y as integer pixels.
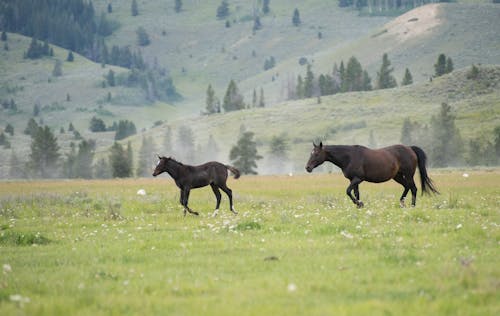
{"type": "Point", "coordinates": [211, 101]}
{"type": "Point", "coordinates": [16, 167]}
{"type": "Point", "coordinates": [97, 125]}
{"type": "Point", "coordinates": [254, 98]}
{"type": "Point", "coordinates": [110, 78]}
{"type": "Point", "coordinates": [244, 154]}
{"type": "Point", "coordinates": [296, 18]}
{"type": "Point", "coordinates": [265, 6]}
{"type": "Point", "coordinates": [440, 65]}
{"type": "Point", "coordinates": [44, 153]}
{"type": "Point", "coordinates": [407, 79]}
{"type": "Point", "coordinates": [57, 71]}
{"type": "Point", "coordinates": [299, 91]}
{"type": "Point", "coordinates": [233, 100]}
{"type": "Point", "coordinates": [9, 129]}
{"type": "Point", "coordinates": [145, 156]}
{"type": "Point", "coordinates": [385, 79]}
{"type": "Point", "coordinates": [353, 80]}
{"type": "Point", "coordinates": [447, 144]}
{"type": "Point", "coordinates": [125, 128]}
{"type": "Point", "coordinates": [3, 37]}
{"type": "Point", "coordinates": [309, 82]}
{"type": "Point", "coordinates": [496, 141]}
{"type": "Point", "coordinates": [367, 81]}
{"type": "Point", "coordinates": [222, 10]}
{"type": "Point", "coordinates": [134, 8]}
{"type": "Point", "coordinates": [110, 8]}
{"type": "Point", "coordinates": [31, 128]}
{"type": "Point", "coordinates": [84, 159]}
{"type": "Point", "coordinates": [184, 145]}
{"type": "Point", "coordinates": [261, 99]}
{"type": "Point", "coordinates": [120, 162]}
{"type": "Point", "coordinates": [279, 147]}
{"type": "Point", "coordinates": [102, 170]}
{"type": "Point", "coordinates": [256, 23]}
{"type": "Point", "coordinates": [449, 65]}
{"type": "Point", "coordinates": [142, 37]}
{"type": "Point", "coordinates": [178, 5]}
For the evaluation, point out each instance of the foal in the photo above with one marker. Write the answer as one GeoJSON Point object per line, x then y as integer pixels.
{"type": "Point", "coordinates": [191, 177]}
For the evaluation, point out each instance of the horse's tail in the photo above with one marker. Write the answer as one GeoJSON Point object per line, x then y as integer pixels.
{"type": "Point", "coordinates": [427, 185]}
{"type": "Point", "coordinates": [235, 171]}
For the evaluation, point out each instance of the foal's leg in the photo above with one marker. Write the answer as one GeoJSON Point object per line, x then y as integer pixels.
{"type": "Point", "coordinates": [185, 203]}
{"type": "Point", "coordinates": [229, 193]}
{"type": "Point", "coordinates": [354, 186]}
{"type": "Point", "coordinates": [217, 196]}
{"type": "Point", "coordinates": [413, 189]}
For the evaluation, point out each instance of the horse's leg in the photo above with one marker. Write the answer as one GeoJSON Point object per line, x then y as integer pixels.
{"type": "Point", "coordinates": [229, 193]}
{"type": "Point", "coordinates": [413, 189]}
{"type": "Point", "coordinates": [217, 196]}
{"type": "Point", "coordinates": [399, 178]}
{"type": "Point", "coordinates": [354, 186]}
{"type": "Point", "coordinates": [181, 200]}
{"type": "Point", "coordinates": [185, 203]}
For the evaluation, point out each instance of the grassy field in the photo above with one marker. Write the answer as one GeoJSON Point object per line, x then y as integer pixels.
{"type": "Point", "coordinates": [298, 246]}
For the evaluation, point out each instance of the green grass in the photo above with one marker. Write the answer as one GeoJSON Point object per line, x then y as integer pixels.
{"type": "Point", "coordinates": [298, 246]}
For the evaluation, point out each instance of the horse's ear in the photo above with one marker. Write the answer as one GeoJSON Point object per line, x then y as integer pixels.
{"type": "Point", "coordinates": [158, 156]}
{"type": "Point", "coordinates": [314, 144]}
{"type": "Point", "coordinates": [320, 145]}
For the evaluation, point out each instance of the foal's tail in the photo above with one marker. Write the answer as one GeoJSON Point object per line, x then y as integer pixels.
{"type": "Point", "coordinates": [427, 185]}
{"type": "Point", "coordinates": [235, 171]}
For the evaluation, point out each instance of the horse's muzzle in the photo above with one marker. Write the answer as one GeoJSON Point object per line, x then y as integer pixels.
{"type": "Point", "coordinates": [309, 169]}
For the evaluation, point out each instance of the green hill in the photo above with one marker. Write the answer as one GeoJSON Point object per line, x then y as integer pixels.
{"type": "Point", "coordinates": [198, 50]}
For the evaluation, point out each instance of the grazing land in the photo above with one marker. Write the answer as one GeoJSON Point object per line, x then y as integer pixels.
{"type": "Point", "coordinates": [298, 246]}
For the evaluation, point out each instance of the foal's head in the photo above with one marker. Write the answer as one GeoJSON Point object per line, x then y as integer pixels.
{"type": "Point", "coordinates": [318, 156]}
{"type": "Point", "coordinates": [161, 166]}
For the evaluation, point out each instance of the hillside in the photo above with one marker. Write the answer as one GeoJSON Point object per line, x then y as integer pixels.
{"type": "Point", "coordinates": [350, 118]}
{"type": "Point", "coordinates": [199, 49]}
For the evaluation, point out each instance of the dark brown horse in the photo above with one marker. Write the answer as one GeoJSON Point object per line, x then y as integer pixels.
{"type": "Point", "coordinates": [359, 164]}
{"type": "Point", "coordinates": [191, 177]}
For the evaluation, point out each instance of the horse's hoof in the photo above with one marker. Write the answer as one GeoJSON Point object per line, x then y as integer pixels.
{"type": "Point", "coordinates": [402, 203]}
{"type": "Point", "coordinates": [215, 213]}
{"type": "Point", "coordinates": [195, 213]}
{"type": "Point", "coordinates": [360, 204]}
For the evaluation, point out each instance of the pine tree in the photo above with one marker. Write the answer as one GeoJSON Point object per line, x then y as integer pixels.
{"type": "Point", "coordinates": [3, 37]}
{"type": "Point", "coordinates": [447, 145]}
{"type": "Point", "coordinates": [256, 23]}
{"type": "Point", "coordinates": [211, 100]}
{"type": "Point", "coordinates": [385, 79]}
{"type": "Point", "coordinates": [145, 156]}
{"type": "Point", "coordinates": [57, 71]}
{"type": "Point", "coordinates": [31, 128]}
{"type": "Point", "coordinates": [120, 162]}
{"type": "Point", "coordinates": [184, 146]}
{"type": "Point", "coordinates": [84, 159]}
{"type": "Point", "coordinates": [244, 154]}
{"type": "Point", "coordinates": [142, 37]}
{"type": "Point", "coordinates": [254, 98]}
{"type": "Point", "coordinates": [134, 8]}
{"type": "Point", "coordinates": [309, 82]}
{"type": "Point", "coordinates": [9, 129]}
{"type": "Point", "coordinates": [261, 99]}
{"type": "Point", "coordinates": [102, 169]}
{"type": "Point", "coordinates": [178, 5]}
{"type": "Point", "coordinates": [44, 153]}
{"type": "Point", "coordinates": [222, 10]}
{"type": "Point", "coordinates": [233, 100]}
{"type": "Point", "coordinates": [449, 65]}
{"type": "Point", "coordinates": [265, 6]}
{"type": "Point", "coordinates": [353, 79]}
{"type": "Point", "coordinates": [440, 66]}
{"type": "Point", "coordinates": [299, 91]}
{"type": "Point", "coordinates": [16, 167]}
{"type": "Point", "coordinates": [296, 18]}
{"type": "Point", "coordinates": [110, 8]}
{"type": "Point", "coordinates": [407, 79]}
{"type": "Point", "coordinates": [70, 57]}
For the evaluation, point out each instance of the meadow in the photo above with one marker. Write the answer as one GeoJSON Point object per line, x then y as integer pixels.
{"type": "Point", "coordinates": [298, 246]}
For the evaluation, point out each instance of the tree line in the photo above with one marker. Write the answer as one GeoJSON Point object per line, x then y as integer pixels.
{"type": "Point", "coordinates": [72, 24]}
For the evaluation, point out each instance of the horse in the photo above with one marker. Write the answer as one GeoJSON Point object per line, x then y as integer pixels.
{"type": "Point", "coordinates": [188, 177]}
{"type": "Point", "coordinates": [359, 163]}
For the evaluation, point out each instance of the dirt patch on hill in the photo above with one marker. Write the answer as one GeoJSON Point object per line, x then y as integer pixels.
{"type": "Point", "coordinates": [415, 23]}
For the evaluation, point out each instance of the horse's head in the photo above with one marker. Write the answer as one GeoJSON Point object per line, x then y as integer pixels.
{"type": "Point", "coordinates": [161, 166]}
{"type": "Point", "coordinates": [318, 156]}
